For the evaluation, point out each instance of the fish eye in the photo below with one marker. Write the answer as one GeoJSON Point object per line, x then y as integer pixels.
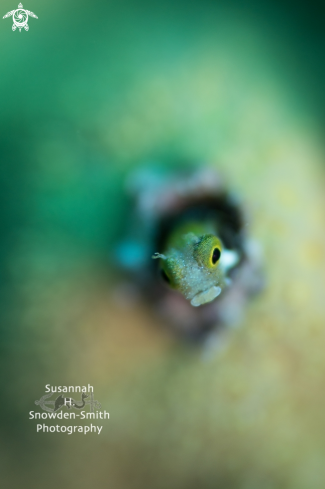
{"type": "Point", "coordinates": [164, 276]}
{"type": "Point", "coordinates": [216, 255]}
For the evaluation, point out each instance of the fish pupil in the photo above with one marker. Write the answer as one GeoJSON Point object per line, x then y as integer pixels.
{"type": "Point", "coordinates": [165, 276]}
{"type": "Point", "coordinates": [216, 255]}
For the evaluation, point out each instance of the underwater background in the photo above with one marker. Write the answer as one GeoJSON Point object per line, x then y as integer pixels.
{"type": "Point", "coordinates": [91, 92]}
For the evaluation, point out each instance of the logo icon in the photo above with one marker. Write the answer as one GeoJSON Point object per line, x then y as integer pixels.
{"type": "Point", "coordinates": [20, 18]}
{"type": "Point", "coordinates": [68, 402]}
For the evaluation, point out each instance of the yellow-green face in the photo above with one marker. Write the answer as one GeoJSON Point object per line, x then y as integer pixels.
{"type": "Point", "coordinates": [193, 266]}
{"type": "Point", "coordinates": [207, 252]}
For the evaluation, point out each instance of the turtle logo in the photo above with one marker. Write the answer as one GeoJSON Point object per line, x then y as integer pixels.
{"type": "Point", "coordinates": [20, 18]}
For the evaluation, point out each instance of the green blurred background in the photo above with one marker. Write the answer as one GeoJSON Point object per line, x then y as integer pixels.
{"type": "Point", "coordinates": [93, 90]}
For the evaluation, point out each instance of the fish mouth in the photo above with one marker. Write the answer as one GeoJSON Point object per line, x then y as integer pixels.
{"type": "Point", "coordinates": [206, 296]}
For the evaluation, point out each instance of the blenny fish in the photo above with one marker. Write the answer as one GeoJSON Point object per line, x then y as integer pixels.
{"type": "Point", "coordinates": [196, 262]}
{"type": "Point", "coordinates": [187, 249]}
